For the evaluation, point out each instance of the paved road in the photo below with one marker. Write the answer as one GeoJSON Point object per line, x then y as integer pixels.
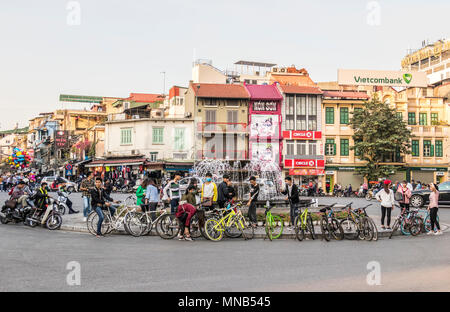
{"type": "Point", "coordinates": [36, 259]}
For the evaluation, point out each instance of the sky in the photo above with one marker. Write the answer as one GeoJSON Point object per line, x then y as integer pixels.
{"type": "Point", "coordinates": [113, 48]}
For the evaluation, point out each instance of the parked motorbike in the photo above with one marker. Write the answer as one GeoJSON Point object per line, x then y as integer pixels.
{"type": "Point", "coordinates": [48, 216]}
{"type": "Point", "coordinates": [61, 203]}
{"type": "Point", "coordinates": [16, 215]}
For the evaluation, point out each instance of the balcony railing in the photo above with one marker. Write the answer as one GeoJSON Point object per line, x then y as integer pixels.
{"type": "Point", "coordinates": [223, 154]}
{"type": "Point", "coordinates": [221, 127]}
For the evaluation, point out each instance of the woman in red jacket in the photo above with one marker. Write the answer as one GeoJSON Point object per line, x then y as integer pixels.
{"type": "Point", "coordinates": [184, 214]}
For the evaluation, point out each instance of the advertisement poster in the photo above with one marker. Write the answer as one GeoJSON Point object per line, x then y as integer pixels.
{"type": "Point", "coordinates": [265, 151]}
{"type": "Point", "coordinates": [264, 126]}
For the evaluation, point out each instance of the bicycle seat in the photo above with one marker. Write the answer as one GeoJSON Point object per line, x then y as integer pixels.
{"type": "Point", "coordinates": [323, 210]}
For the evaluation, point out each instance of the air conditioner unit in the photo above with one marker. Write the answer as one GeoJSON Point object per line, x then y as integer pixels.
{"type": "Point", "coordinates": [109, 153]}
{"type": "Point", "coordinates": [134, 152]}
{"type": "Point", "coordinates": [275, 69]}
{"type": "Point", "coordinates": [135, 117]}
{"type": "Point", "coordinates": [282, 70]}
{"type": "Point", "coordinates": [188, 115]}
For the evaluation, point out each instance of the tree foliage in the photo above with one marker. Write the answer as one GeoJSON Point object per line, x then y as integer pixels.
{"type": "Point", "coordinates": [379, 135]}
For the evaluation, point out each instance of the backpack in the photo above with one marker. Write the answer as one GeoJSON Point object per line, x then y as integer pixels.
{"type": "Point", "coordinates": [398, 196]}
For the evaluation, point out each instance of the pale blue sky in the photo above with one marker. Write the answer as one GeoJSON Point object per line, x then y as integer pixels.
{"type": "Point", "coordinates": [122, 46]}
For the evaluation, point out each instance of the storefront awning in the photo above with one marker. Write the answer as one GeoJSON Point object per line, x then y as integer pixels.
{"type": "Point", "coordinates": [116, 162]}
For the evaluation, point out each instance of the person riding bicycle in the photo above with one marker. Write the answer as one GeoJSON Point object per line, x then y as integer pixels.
{"type": "Point", "coordinates": [99, 200]}
{"type": "Point", "coordinates": [184, 214]}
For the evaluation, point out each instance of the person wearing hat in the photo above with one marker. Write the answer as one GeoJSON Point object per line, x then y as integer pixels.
{"type": "Point", "coordinates": [386, 197]}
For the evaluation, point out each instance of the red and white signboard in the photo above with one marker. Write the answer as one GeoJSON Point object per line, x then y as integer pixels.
{"type": "Point", "coordinates": [302, 135]}
{"type": "Point", "coordinates": [304, 163]}
{"type": "Point", "coordinates": [306, 172]}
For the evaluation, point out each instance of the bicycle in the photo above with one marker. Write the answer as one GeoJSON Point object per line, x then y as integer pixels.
{"type": "Point", "coordinates": [407, 226]}
{"type": "Point", "coordinates": [412, 224]}
{"type": "Point", "coordinates": [358, 224]}
{"type": "Point", "coordinates": [427, 221]}
{"type": "Point", "coordinates": [110, 223]}
{"type": "Point", "coordinates": [214, 229]}
{"type": "Point", "coordinates": [140, 223]}
{"type": "Point", "coordinates": [303, 223]}
{"type": "Point", "coordinates": [272, 223]}
{"type": "Point", "coordinates": [329, 225]}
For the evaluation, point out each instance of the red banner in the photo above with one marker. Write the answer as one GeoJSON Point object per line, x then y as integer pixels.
{"type": "Point", "coordinates": [302, 135]}
{"type": "Point", "coordinates": [307, 172]}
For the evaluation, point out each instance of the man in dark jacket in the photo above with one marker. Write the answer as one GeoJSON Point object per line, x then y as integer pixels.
{"type": "Point", "coordinates": [291, 191]}
{"type": "Point", "coordinates": [222, 191]}
{"type": "Point", "coordinates": [99, 200]}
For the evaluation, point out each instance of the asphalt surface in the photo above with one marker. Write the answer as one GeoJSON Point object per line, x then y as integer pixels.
{"type": "Point", "coordinates": [36, 259]}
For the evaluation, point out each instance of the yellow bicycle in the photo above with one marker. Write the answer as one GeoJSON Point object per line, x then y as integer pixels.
{"type": "Point", "coordinates": [231, 220]}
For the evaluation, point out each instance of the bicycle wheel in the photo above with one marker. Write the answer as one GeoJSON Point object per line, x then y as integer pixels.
{"type": "Point", "coordinates": [350, 228]}
{"type": "Point", "coordinates": [168, 226]}
{"type": "Point", "coordinates": [310, 227]}
{"type": "Point", "coordinates": [367, 229]}
{"type": "Point", "coordinates": [299, 232]}
{"type": "Point", "coordinates": [416, 226]}
{"type": "Point", "coordinates": [277, 226]}
{"type": "Point", "coordinates": [374, 229]}
{"type": "Point", "coordinates": [404, 227]}
{"type": "Point", "coordinates": [324, 228]}
{"type": "Point", "coordinates": [427, 223]}
{"type": "Point", "coordinates": [248, 231]}
{"type": "Point", "coordinates": [336, 229]}
{"type": "Point", "coordinates": [135, 223]}
{"type": "Point", "coordinates": [214, 230]}
{"type": "Point", "coordinates": [92, 222]}
{"type": "Point", "coordinates": [195, 227]}
{"type": "Point", "coordinates": [268, 228]}
{"type": "Point", "coordinates": [233, 231]}
{"type": "Point", "coordinates": [394, 228]}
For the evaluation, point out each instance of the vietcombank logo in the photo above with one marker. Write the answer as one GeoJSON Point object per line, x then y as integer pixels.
{"type": "Point", "coordinates": [406, 78]}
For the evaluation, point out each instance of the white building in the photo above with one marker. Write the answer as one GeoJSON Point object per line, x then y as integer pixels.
{"type": "Point", "coordinates": [158, 139]}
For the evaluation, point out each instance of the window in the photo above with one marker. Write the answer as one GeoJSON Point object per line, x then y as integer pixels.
{"type": "Point", "coordinates": [330, 147]}
{"type": "Point", "coordinates": [344, 147]}
{"type": "Point", "coordinates": [125, 136]}
{"type": "Point", "coordinates": [399, 115]}
{"type": "Point", "coordinates": [411, 118]}
{"type": "Point", "coordinates": [439, 150]}
{"type": "Point", "coordinates": [344, 115]}
{"type": "Point", "coordinates": [210, 120]}
{"type": "Point", "coordinates": [301, 148]}
{"type": "Point", "coordinates": [232, 119]}
{"type": "Point", "coordinates": [423, 119]}
{"type": "Point", "coordinates": [434, 119]}
{"type": "Point", "coordinates": [290, 148]}
{"type": "Point", "coordinates": [153, 156]}
{"type": "Point", "coordinates": [179, 139]}
{"type": "Point", "coordinates": [301, 112]}
{"type": "Point", "coordinates": [428, 149]}
{"type": "Point", "coordinates": [312, 148]}
{"type": "Point", "coordinates": [357, 109]}
{"type": "Point", "coordinates": [415, 148]}
{"type": "Point", "coordinates": [210, 102]}
{"type": "Point", "coordinates": [329, 115]}
{"type": "Point", "coordinates": [158, 135]}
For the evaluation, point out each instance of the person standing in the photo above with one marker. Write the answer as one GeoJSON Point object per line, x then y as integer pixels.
{"type": "Point", "coordinates": [209, 192]}
{"type": "Point", "coordinates": [254, 192]}
{"type": "Point", "coordinates": [291, 191]}
{"type": "Point", "coordinates": [172, 191]}
{"type": "Point", "coordinates": [86, 185]}
{"type": "Point", "coordinates": [222, 191]}
{"type": "Point", "coordinates": [152, 197]}
{"type": "Point", "coordinates": [406, 195]}
{"type": "Point", "coordinates": [386, 197]}
{"type": "Point", "coordinates": [433, 207]}
{"type": "Point", "coordinates": [140, 192]}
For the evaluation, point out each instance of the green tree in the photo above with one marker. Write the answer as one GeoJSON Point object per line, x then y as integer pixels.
{"type": "Point", "coordinates": [379, 134]}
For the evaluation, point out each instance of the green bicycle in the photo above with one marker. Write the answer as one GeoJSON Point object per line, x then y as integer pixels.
{"type": "Point", "coordinates": [304, 223]}
{"type": "Point", "coordinates": [274, 224]}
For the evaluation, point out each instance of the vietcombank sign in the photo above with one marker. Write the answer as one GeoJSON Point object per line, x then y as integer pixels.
{"type": "Point", "coordinates": [382, 78]}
